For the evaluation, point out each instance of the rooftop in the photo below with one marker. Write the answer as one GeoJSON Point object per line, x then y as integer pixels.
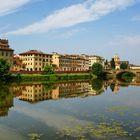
{"type": "Point", "coordinates": [33, 52]}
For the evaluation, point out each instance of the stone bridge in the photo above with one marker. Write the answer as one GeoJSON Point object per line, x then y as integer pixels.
{"type": "Point", "coordinates": [115, 72]}
{"type": "Point", "coordinates": [136, 71]}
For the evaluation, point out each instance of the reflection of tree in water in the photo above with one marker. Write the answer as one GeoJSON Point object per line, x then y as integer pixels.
{"type": "Point", "coordinates": [97, 85]}
{"type": "Point", "coordinates": [6, 100]}
{"type": "Point", "coordinates": [49, 86]}
{"type": "Point", "coordinates": [112, 86]}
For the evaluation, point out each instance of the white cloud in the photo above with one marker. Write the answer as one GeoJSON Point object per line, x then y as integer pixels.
{"type": "Point", "coordinates": [136, 18]}
{"type": "Point", "coordinates": [126, 41]}
{"type": "Point", "coordinates": [58, 121]}
{"type": "Point", "coordinates": [90, 10]}
{"type": "Point", "coordinates": [69, 33]}
{"type": "Point", "coordinates": [9, 6]}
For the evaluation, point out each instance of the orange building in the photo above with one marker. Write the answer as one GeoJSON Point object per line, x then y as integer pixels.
{"type": "Point", "coordinates": [5, 51]}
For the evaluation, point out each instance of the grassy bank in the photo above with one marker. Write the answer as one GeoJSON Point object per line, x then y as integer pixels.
{"type": "Point", "coordinates": [52, 77]}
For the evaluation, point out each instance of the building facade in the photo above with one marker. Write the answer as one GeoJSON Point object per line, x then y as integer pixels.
{"type": "Point", "coordinates": [134, 67]}
{"type": "Point", "coordinates": [5, 51]}
{"type": "Point", "coordinates": [18, 64]}
{"type": "Point", "coordinates": [95, 59]}
{"type": "Point", "coordinates": [35, 60]}
{"type": "Point", "coordinates": [117, 61]}
{"type": "Point", "coordinates": [70, 62]}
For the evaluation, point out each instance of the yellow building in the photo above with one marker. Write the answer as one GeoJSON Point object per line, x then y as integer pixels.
{"type": "Point", "coordinates": [35, 60]}
{"type": "Point", "coordinates": [5, 51]}
{"type": "Point", "coordinates": [94, 59]}
{"type": "Point", "coordinates": [70, 62]}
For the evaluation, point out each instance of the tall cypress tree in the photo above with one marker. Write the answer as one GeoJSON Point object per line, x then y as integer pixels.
{"type": "Point", "coordinates": [112, 63]}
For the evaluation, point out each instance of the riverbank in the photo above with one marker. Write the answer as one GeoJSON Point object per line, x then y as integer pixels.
{"type": "Point", "coordinates": [51, 77]}
{"type": "Point", "coordinates": [65, 77]}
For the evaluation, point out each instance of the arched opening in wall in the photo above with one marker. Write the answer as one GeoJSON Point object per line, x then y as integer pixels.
{"type": "Point", "coordinates": [31, 69]}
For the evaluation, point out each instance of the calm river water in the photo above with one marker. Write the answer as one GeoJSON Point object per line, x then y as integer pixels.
{"type": "Point", "coordinates": [94, 110]}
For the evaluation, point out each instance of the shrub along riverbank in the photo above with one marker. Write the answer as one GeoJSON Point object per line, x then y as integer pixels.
{"type": "Point", "coordinates": [51, 77]}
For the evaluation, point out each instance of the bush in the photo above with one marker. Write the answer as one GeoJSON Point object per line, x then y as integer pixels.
{"type": "Point", "coordinates": [124, 66]}
{"type": "Point", "coordinates": [97, 69]}
{"type": "Point", "coordinates": [52, 77]}
{"type": "Point", "coordinates": [4, 70]}
{"type": "Point", "coordinates": [48, 69]}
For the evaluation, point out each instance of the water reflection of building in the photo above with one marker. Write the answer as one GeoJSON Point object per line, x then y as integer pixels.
{"type": "Point", "coordinates": [73, 89]}
{"type": "Point", "coordinates": [39, 92]}
{"type": "Point", "coordinates": [34, 93]}
{"type": "Point", "coordinates": [116, 88]}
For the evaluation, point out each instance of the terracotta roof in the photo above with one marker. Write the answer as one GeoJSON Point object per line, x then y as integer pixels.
{"type": "Point", "coordinates": [33, 52]}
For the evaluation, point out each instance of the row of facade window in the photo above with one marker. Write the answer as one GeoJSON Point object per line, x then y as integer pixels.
{"type": "Point", "coordinates": [71, 69]}
{"type": "Point", "coordinates": [72, 65]}
{"type": "Point", "coordinates": [6, 54]}
{"type": "Point", "coordinates": [40, 64]}
{"type": "Point", "coordinates": [36, 69]}
{"type": "Point", "coordinates": [36, 59]}
{"type": "Point", "coordinates": [47, 56]}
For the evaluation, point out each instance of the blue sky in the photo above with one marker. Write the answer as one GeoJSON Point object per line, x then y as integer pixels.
{"type": "Point", "coordinates": [101, 27]}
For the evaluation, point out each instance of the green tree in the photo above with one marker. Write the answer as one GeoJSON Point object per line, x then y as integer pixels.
{"type": "Point", "coordinates": [4, 69]}
{"type": "Point", "coordinates": [54, 66]}
{"type": "Point", "coordinates": [97, 69]}
{"type": "Point", "coordinates": [124, 66]}
{"type": "Point", "coordinates": [48, 69]}
{"type": "Point", "coordinates": [112, 63]}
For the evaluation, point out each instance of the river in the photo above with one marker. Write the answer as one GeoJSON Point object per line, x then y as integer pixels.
{"type": "Point", "coordinates": [88, 110]}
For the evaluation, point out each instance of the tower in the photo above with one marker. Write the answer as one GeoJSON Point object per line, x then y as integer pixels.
{"type": "Point", "coordinates": [117, 61]}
